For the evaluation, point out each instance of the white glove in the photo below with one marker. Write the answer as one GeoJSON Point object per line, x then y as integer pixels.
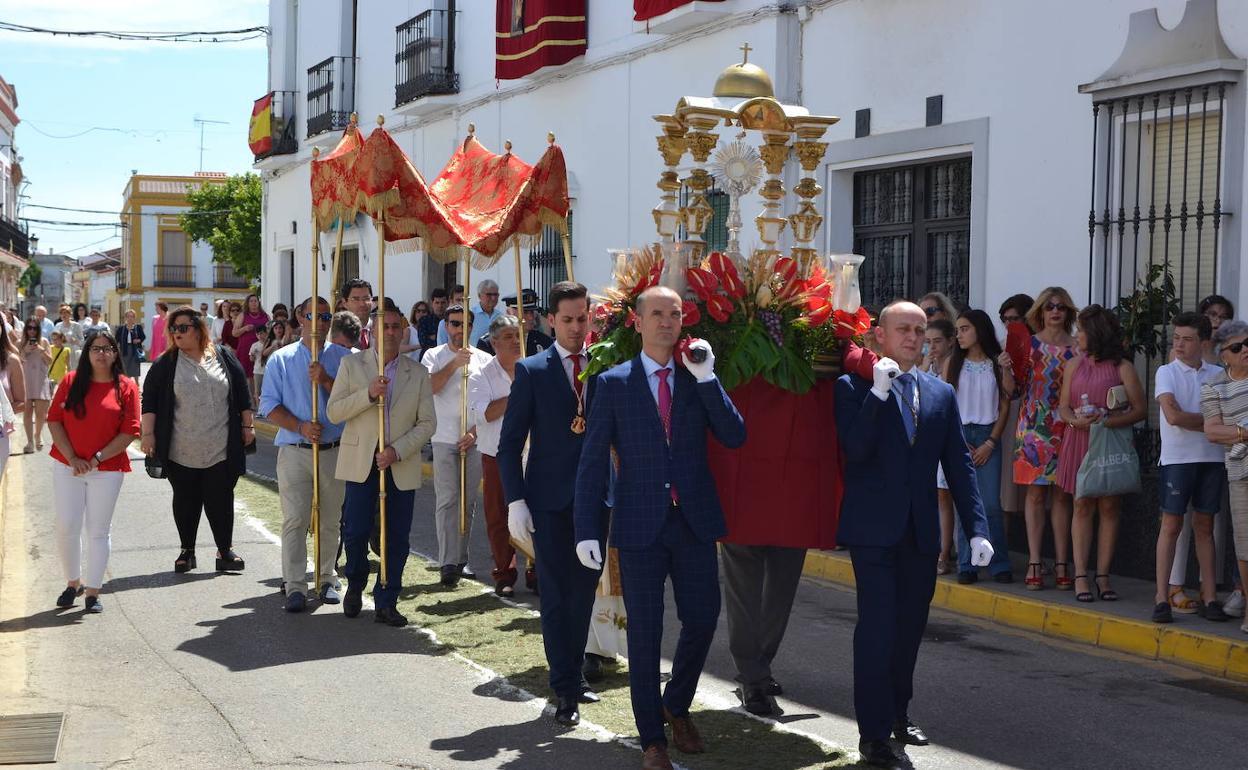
{"type": "Point", "coordinates": [590, 554]}
{"type": "Point", "coordinates": [705, 371]}
{"type": "Point", "coordinates": [981, 552]}
{"type": "Point", "coordinates": [884, 372]}
{"type": "Point", "coordinates": [520, 521]}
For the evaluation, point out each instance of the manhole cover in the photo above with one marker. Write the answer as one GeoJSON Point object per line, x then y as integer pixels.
{"type": "Point", "coordinates": [29, 738]}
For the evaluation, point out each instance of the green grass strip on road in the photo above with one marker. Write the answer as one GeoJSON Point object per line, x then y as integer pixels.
{"type": "Point", "coordinates": [508, 641]}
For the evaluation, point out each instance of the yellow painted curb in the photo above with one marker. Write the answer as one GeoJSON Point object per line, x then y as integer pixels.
{"type": "Point", "coordinates": [1211, 654]}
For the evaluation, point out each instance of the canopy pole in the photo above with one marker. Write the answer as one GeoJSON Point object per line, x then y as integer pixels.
{"type": "Point", "coordinates": [515, 243]}
{"type": "Point", "coordinates": [463, 400]}
{"type": "Point", "coordinates": [379, 341]}
{"type": "Point", "coordinates": [316, 446]}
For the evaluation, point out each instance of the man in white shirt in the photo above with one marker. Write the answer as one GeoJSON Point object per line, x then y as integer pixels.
{"type": "Point", "coordinates": [451, 445]}
{"type": "Point", "coordinates": [1192, 471]}
{"type": "Point", "coordinates": [489, 390]}
{"type": "Point", "coordinates": [45, 324]}
{"type": "Point", "coordinates": [95, 323]}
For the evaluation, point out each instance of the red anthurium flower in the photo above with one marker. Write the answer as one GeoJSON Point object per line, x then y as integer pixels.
{"type": "Point", "coordinates": [786, 268]}
{"type": "Point", "coordinates": [719, 307]}
{"type": "Point", "coordinates": [724, 269]}
{"type": "Point", "coordinates": [631, 318]}
{"type": "Point", "coordinates": [703, 282]}
{"type": "Point", "coordinates": [818, 312]}
{"type": "Point", "coordinates": [734, 285]}
{"type": "Point", "coordinates": [691, 314]}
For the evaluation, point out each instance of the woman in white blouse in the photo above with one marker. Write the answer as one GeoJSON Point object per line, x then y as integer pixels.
{"type": "Point", "coordinates": [980, 374]}
{"type": "Point", "coordinates": [489, 389]}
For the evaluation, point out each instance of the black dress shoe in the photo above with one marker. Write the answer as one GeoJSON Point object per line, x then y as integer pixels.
{"type": "Point", "coordinates": [450, 575]}
{"type": "Point", "coordinates": [352, 602]}
{"type": "Point", "coordinates": [591, 669]}
{"type": "Point", "coordinates": [587, 695]}
{"type": "Point", "coordinates": [967, 578]}
{"type": "Point", "coordinates": [390, 616]}
{"type": "Point", "coordinates": [755, 701]}
{"type": "Point", "coordinates": [908, 732]}
{"type": "Point", "coordinates": [773, 688]}
{"type": "Point", "coordinates": [879, 754]}
{"type": "Point", "coordinates": [567, 713]}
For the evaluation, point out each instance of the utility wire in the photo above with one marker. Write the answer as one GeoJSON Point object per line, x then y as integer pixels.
{"type": "Point", "coordinates": [195, 36]}
{"type": "Point", "coordinates": [126, 213]}
{"type": "Point", "coordinates": [72, 224]}
{"type": "Point", "coordinates": [89, 245]}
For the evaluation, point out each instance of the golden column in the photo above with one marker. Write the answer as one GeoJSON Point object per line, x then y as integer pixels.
{"type": "Point", "coordinates": [771, 221]}
{"type": "Point", "coordinates": [697, 214]}
{"type": "Point", "coordinates": [806, 220]}
{"type": "Point", "coordinates": [672, 146]}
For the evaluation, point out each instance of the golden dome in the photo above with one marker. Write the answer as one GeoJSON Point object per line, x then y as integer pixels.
{"type": "Point", "coordinates": [744, 81]}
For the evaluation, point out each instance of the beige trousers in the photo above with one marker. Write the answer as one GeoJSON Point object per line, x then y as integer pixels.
{"type": "Point", "coordinates": [294, 485]}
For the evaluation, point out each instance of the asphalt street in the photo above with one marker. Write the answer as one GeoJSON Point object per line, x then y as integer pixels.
{"type": "Point", "coordinates": [205, 670]}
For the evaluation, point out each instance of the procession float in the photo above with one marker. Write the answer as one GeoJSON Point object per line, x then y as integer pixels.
{"type": "Point", "coordinates": [782, 324]}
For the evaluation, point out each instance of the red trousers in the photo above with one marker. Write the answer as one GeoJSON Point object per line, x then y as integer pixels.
{"type": "Point", "coordinates": [504, 572]}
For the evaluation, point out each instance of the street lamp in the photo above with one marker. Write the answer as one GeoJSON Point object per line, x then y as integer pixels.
{"type": "Point", "coordinates": [34, 244]}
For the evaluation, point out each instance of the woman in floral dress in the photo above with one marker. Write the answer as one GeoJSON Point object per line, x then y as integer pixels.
{"type": "Point", "coordinates": [1051, 320]}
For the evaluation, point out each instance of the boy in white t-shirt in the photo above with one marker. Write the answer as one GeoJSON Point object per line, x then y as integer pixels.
{"type": "Point", "coordinates": [1193, 469]}
{"type": "Point", "coordinates": [257, 362]}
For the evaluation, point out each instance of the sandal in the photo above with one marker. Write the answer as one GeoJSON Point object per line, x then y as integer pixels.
{"type": "Point", "coordinates": [942, 567]}
{"type": "Point", "coordinates": [1036, 582]}
{"type": "Point", "coordinates": [1083, 596]}
{"type": "Point", "coordinates": [1064, 582]}
{"type": "Point", "coordinates": [1109, 594]}
{"type": "Point", "coordinates": [185, 561]}
{"type": "Point", "coordinates": [1181, 603]}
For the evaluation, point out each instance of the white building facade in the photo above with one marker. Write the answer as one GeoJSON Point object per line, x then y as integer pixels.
{"type": "Point", "coordinates": [14, 240]}
{"type": "Point", "coordinates": [963, 162]}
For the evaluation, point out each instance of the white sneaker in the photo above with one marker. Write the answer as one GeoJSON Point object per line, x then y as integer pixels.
{"type": "Point", "coordinates": [1234, 605]}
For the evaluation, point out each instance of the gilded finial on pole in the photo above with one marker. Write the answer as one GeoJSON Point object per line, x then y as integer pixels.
{"type": "Point", "coordinates": [316, 153]}
{"type": "Point", "coordinates": [507, 146]}
{"type": "Point", "coordinates": [550, 137]}
{"type": "Point", "coordinates": [472, 128]}
{"type": "Point", "coordinates": [355, 119]}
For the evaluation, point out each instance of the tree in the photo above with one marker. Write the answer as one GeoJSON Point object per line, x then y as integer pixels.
{"type": "Point", "coordinates": [31, 277]}
{"type": "Point", "coordinates": [227, 218]}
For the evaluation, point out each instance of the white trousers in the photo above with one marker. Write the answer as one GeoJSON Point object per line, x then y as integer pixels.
{"type": "Point", "coordinates": [84, 510]}
{"type": "Point", "coordinates": [4, 451]}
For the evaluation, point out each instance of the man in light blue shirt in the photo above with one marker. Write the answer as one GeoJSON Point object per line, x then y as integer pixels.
{"type": "Point", "coordinates": [286, 401]}
{"type": "Point", "coordinates": [46, 327]}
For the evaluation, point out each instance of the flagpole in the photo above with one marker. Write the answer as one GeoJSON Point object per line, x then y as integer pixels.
{"type": "Point", "coordinates": [334, 281]}
{"type": "Point", "coordinates": [515, 242]}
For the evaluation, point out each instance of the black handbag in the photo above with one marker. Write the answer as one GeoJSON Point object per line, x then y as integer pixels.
{"type": "Point", "coordinates": [154, 467]}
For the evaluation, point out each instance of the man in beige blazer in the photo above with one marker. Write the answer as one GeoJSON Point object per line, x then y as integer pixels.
{"type": "Point", "coordinates": [410, 422]}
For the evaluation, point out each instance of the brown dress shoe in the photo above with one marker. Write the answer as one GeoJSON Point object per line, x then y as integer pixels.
{"type": "Point", "coordinates": [685, 734]}
{"type": "Point", "coordinates": [656, 758]}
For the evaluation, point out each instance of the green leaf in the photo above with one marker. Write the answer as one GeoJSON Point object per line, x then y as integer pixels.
{"type": "Point", "coordinates": [227, 218]}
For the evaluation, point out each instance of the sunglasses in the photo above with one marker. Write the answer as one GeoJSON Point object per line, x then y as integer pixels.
{"type": "Point", "coordinates": [102, 351]}
{"type": "Point", "coordinates": [1055, 306]}
{"type": "Point", "coordinates": [327, 317]}
{"type": "Point", "coordinates": [1235, 347]}
{"type": "Point", "coordinates": [183, 328]}
{"type": "Point", "coordinates": [455, 324]}
{"type": "Point", "coordinates": [931, 311]}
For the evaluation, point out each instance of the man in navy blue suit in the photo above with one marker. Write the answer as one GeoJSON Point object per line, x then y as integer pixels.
{"type": "Point", "coordinates": [666, 516]}
{"type": "Point", "coordinates": [893, 432]}
{"type": "Point", "coordinates": [547, 407]}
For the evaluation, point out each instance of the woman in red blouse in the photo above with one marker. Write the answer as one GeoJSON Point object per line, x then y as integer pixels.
{"type": "Point", "coordinates": [94, 416]}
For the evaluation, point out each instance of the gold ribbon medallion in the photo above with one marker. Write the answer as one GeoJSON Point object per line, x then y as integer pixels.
{"type": "Point", "coordinates": [578, 424]}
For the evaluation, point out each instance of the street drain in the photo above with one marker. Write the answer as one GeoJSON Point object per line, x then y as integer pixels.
{"type": "Point", "coordinates": [30, 738]}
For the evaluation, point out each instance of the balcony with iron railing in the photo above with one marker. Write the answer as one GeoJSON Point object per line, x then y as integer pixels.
{"type": "Point", "coordinates": [173, 275]}
{"type": "Point", "coordinates": [283, 133]}
{"type": "Point", "coordinates": [13, 238]}
{"type": "Point", "coordinates": [424, 58]}
{"type": "Point", "coordinates": [331, 95]}
{"type": "Point", "coordinates": [224, 277]}
{"type": "Point", "coordinates": [119, 275]}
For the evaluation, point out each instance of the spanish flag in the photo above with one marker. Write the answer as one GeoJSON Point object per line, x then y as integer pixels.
{"type": "Point", "coordinates": [531, 34]}
{"type": "Point", "coordinates": [260, 133]}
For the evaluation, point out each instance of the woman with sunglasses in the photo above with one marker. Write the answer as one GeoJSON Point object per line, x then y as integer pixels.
{"type": "Point", "coordinates": [938, 306]}
{"type": "Point", "coordinates": [187, 392]}
{"type": "Point", "coordinates": [94, 417]}
{"type": "Point", "coordinates": [1040, 428]}
{"type": "Point", "coordinates": [36, 359]}
{"type": "Point", "coordinates": [1224, 404]}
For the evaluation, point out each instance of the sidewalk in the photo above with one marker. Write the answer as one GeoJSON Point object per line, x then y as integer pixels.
{"type": "Point", "coordinates": [1122, 626]}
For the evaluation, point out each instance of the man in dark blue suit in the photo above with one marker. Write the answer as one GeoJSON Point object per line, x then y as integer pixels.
{"type": "Point", "coordinates": [666, 517]}
{"type": "Point", "coordinates": [894, 432]}
{"type": "Point", "coordinates": [547, 407]}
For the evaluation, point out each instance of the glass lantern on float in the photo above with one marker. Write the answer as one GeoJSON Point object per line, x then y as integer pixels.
{"type": "Point", "coordinates": [848, 294]}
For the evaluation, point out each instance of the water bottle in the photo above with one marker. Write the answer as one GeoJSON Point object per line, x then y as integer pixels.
{"type": "Point", "coordinates": [1085, 406]}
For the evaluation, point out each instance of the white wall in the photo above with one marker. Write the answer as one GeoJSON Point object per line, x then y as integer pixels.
{"type": "Point", "coordinates": [1016, 64]}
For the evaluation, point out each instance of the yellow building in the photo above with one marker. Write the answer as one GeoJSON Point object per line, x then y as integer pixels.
{"type": "Point", "coordinates": [159, 262]}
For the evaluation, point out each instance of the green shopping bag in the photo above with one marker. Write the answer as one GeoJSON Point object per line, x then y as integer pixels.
{"type": "Point", "coordinates": [1111, 466]}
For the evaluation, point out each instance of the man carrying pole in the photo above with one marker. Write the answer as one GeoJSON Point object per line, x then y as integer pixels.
{"type": "Point", "coordinates": [286, 401]}
{"type": "Point", "coordinates": [406, 397]}
{"type": "Point", "coordinates": [446, 364]}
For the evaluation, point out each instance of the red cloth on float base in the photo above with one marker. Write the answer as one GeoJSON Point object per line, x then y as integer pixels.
{"type": "Point", "coordinates": [783, 486]}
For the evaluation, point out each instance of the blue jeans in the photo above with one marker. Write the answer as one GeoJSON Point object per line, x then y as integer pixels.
{"type": "Point", "coordinates": [989, 477]}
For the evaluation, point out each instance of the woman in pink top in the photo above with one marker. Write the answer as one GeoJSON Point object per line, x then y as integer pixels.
{"type": "Point", "coordinates": [159, 342]}
{"type": "Point", "coordinates": [254, 317]}
{"type": "Point", "coordinates": [1086, 381]}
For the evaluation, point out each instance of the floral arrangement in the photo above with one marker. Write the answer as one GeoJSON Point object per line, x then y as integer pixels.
{"type": "Point", "coordinates": [764, 319]}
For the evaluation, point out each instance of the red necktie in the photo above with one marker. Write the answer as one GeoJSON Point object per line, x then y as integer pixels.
{"type": "Point", "coordinates": [364, 338]}
{"type": "Point", "coordinates": [576, 374]}
{"type": "Point", "coordinates": [665, 413]}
